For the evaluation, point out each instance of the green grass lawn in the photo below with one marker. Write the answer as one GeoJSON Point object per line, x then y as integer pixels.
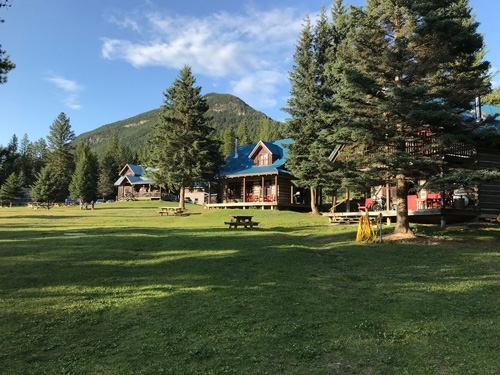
{"type": "Point", "coordinates": [121, 290]}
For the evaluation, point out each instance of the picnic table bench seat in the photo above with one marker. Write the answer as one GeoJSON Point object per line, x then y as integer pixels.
{"type": "Point", "coordinates": [235, 224]}
{"type": "Point", "coordinates": [170, 210]}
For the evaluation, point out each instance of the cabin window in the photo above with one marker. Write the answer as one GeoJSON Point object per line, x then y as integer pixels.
{"type": "Point", "coordinates": [263, 159]}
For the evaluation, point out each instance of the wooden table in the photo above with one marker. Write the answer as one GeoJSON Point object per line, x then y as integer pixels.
{"type": "Point", "coordinates": [242, 221]}
{"type": "Point", "coordinates": [170, 210]}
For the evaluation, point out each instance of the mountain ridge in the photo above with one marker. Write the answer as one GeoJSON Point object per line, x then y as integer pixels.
{"type": "Point", "coordinates": [226, 109]}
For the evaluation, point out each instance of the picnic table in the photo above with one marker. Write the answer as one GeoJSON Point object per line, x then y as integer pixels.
{"type": "Point", "coordinates": [38, 205]}
{"type": "Point", "coordinates": [242, 221]}
{"type": "Point", "coordinates": [175, 211]}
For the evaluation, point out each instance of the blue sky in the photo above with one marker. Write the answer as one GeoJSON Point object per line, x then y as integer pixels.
{"type": "Point", "coordinates": [100, 61]}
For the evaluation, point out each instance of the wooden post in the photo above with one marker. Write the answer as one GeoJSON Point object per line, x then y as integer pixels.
{"type": "Point", "coordinates": [347, 201]}
{"type": "Point", "coordinates": [388, 203]}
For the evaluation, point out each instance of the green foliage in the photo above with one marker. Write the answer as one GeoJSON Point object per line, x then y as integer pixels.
{"type": "Point", "coordinates": [228, 141]}
{"type": "Point", "coordinates": [226, 111]}
{"type": "Point", "coordinates": [400, 69]}
{"type": "Point", "coordinates": [492, 98]}
{"type": "Point", "coordinates": [12, 187]}
{"type": "Point", "coordinates": [184, 149]}
{"type": "Point", "coordinates": [268, 131]}
{"type": "Point", "coordinates": [84, 181]}
{"type": "Point", "coordinates": [5, 64]}
{"type": "Point", "coordinates": [60, 157]}
{"type": "Point", "coordinates": [311, 92]}
{"type": "Point", "coordinates": [8, 159]}
{"type": "Point", "coordinates": [243, 134]}
{"type": "Point", "coordinates": [47, 188]}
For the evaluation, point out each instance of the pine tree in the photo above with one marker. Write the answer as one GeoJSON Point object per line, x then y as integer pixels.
{"type": "Point", "coordinates": [183, 144]}
{"type": "Point", "coordinates": [243, 133]}
{"type": "Point", "coordinates": [308, 160]}
{"type": "Point", "coordinates": [38, 153]}
{"type": "Point", "coordinates": [46, 189]}
{"type": "Point", "coordinates": [268, 131]}
{"type": "Point", "coordinates": [12, 188]}
{"type": "Point", "coordinates": [84, 181]}
{"type": "Point", "coordinates": [405, 67]}
{"type": "Point", "coordinates": [111, 163]}
{"type": "Point", "coordinates": [492, 98]}
{"type": "Point", "coordinates": [60, 157]}
{"type": "Point", "coordinates": [9, 159]}
{"type": "Point", "coordinates": [228, 137]}
{"type": "Point", "coordinates": [5, 64]}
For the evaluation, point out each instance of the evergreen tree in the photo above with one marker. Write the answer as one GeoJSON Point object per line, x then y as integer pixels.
{"type": "Point", "coordinates": [12, 188]}
{"type": "Point", "coordinates": [268, 131]}
{"type": "Point", "coordinates": [183, 143]}
{"type": "Point", "coordinates": [38, 152]}
{"type": "Point", "coordinates": [84, 180]}
{"type": "Point", "coordinates": [60, 157]}
{"type": "Point", "coordinates": [113, 160]}
{"type": "Point", "coordinates": [46, 189]}
{"type": "Point", "coordinates": [25, 160]}
{"type": "Point", "coordinates": [243, 133]}
{"type": "Point", "coordinates": [228, 143]}
{"type": "Point", "coordinates": [9, 159]}
{"type": "Point", "coordinates": [309, 91]}
{"type": "Point", "coordinates": [407, 67]}
{"type": "Point", "coordinates": [492, 98]}
{"type": "Point", "coordinates": [5, 64]}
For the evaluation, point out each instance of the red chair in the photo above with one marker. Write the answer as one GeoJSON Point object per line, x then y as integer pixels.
{"type": "Point", "coordinates": [269, 198]}
{"type": "Point", "coordinates": [367, 206]}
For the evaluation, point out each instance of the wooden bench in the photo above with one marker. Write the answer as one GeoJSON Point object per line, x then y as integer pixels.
{"type": "Point", "coordinates": [235, 224]}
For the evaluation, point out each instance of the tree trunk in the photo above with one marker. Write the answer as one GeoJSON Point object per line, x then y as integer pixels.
{"type": "Point", "coordinates": [402, 222]}
{"type": "Point", "coordinates": [181, 198]}
{"type": "Point", "coordinates": [314, 208]}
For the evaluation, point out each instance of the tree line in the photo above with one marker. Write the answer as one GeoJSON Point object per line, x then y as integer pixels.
{"type": "Point", "coordinates": [55, 169]}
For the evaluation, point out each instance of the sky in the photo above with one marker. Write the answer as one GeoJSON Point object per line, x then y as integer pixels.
{"type": "Point", "coordinates": [101, 61]}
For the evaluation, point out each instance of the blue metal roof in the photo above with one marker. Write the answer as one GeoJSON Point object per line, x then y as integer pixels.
{"type": "Point", "coordinates": [243, 165]}
{"type": "Point", "coordinates": [136, 179]}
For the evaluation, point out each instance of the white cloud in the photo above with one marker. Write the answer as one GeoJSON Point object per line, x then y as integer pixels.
{"type": "Point", "coordinates": [125, 23]}
{"type": "Point", "coordinates": [252, 51]}
{"type": "Point", "coordinates": [70, 90]}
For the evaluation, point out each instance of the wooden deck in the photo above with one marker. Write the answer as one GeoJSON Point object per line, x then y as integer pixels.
{"type": "Point", "coordinates": [244, 205]}
{"type": "Point", "coordinates": [428, 216]}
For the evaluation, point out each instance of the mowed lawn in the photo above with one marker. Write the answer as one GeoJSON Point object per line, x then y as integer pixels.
{"type": "Point", "coordinates": [121, 290]}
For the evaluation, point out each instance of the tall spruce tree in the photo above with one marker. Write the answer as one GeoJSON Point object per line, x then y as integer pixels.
{"type": "Point", "coordinates": [84, 181]}
{"type": "Point", "coordinates": [408, 66]}
{"type": "Point", "coordinates": [60, 157]}
{"type": "Point", "coordinates": [112, 161]}
{"type": "Point", "coordinates": [228, 137]}
{"type": "Point", "coordinates": [309, 91]}
{"type": "Point", "coordinates": [184, 149]}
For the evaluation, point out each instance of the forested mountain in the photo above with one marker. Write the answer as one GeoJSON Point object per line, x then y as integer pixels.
{"type": "Point", "coordinates": [227, 111]}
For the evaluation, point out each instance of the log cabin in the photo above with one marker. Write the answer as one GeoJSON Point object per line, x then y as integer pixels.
{"type": "Point", "coordinates": [255, 175]}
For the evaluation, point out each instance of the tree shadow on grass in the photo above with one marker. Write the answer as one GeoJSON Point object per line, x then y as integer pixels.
{"type": "Point", "coordinates": [129, 300]}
